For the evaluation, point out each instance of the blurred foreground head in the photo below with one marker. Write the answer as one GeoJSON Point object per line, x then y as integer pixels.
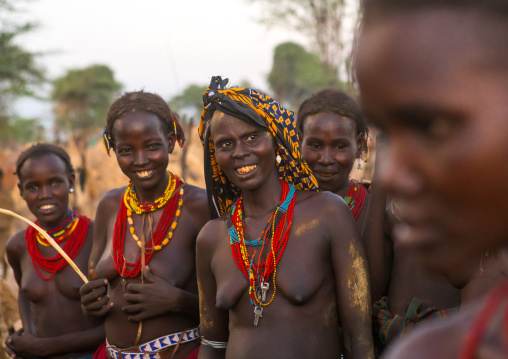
{"type": "Point", "coordinates": [433, 75]}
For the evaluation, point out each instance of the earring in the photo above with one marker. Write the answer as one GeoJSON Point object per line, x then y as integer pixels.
{"type": "Point", "coordinates": [278, 158]}
{"type": "Point", "coordinates": [359, 164]}
{"type": "Point", "coordinates": [71, 190]}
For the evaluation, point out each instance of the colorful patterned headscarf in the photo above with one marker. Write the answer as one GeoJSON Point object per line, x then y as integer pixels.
{"type": "Point", "coordinates": [253, 107]}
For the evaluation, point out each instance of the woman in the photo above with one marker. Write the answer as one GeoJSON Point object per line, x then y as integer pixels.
{"type": "Point", "coordinates": [144, 242]}
{"type": "Point", "coordinates": [432, 75]}
{"type": "Point", "coordinates": [334, 135]}
{"type": "Point", "coordinates": [275, 275]}
{"type": "Point", "coordinates": [48, 287]}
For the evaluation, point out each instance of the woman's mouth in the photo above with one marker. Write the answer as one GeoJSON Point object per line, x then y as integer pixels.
{"type": "Point", "coordinates": [46, 208]}
{"type": "Point", "coordinates": [144, 174]}
{"type": "Point", "coordinates": [245, 169]}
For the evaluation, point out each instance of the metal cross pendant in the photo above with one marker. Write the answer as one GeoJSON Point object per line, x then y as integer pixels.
{"type": "Point", "coordinates": [258, 312]}
{"type": "Point", "coordinates": [264, 288]}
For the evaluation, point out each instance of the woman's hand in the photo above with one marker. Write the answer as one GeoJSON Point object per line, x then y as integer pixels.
{"type": "Point", "coordinates": [94, 297]}
{"type": "Point", "coordinates": [22, 344]}
{"type": "Point", "coordinates": [151, 299]}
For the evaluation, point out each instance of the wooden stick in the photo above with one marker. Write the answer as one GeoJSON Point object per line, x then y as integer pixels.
{"type": "Point", "coordinates": [50, 240]}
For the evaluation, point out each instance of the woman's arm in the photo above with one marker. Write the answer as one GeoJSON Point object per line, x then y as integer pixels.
{"type": "Point", "coordinates": [27, 345]}
{"type": "Point", "coordinates": [351, 283]}
{"type": "Point", "coordinates": [95, 302]}
{"type": "Point", "coordinates": [213, 321]}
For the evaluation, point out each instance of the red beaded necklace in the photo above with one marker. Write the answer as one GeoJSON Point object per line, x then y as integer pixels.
{"type": "Point", "coordinates": [256, 269]}
{"type": "Point", "coordinates": [72, 246]}
{"type": "Point", "coordinates": [355, 198]}
{"type": "Point", "coordinates": [163, 225]}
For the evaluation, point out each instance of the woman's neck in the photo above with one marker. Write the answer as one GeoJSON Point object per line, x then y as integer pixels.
{"type": "Point", "coordinates": [343, 188]}
{"type": "Point", "coordinates": [264, 199]}
{"type": "Point", "coordinates": [152, 194]}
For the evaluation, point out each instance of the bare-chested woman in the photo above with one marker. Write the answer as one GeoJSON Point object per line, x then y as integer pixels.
{"type": "Point", "coordinates": [49, 301]}
{"type": "Point", "coordinates": [152, 222]}
{"type": "Point", "coordinates": [433, 76]}
{"type": "Point", "coordinates": [282, 272]}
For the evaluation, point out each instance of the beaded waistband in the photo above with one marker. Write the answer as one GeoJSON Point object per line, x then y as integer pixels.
{"type": "Point", "coordinates": [150, 349]}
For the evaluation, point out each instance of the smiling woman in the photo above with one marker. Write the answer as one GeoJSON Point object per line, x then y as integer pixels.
{"type": "Point", "coordinates": [48, 287]}
{"type": "Point", "coordinates": [274, 262]}
{"type": "Point", "coordinates": [153, 221]}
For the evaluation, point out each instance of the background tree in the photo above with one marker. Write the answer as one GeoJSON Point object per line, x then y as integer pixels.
{"type": "Point", "coordinates": [20, 74]}
{"type": "Point", "coordinates": [297, 73]}
{"type": "Point", "coordinates": [322, 21]}
{"type": "Point", "coordinates": [81, 101]}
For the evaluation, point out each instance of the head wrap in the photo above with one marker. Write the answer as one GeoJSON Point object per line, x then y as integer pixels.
{"type": "Point", "coordinates": [259, 109]}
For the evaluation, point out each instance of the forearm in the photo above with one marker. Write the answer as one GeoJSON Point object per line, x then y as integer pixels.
{"type": "Point", "coordinates": [207, 352]}
{"type": "Point", "coordinates": [25, 313]}
{"type": "Point", "coordinates": [77, 342]}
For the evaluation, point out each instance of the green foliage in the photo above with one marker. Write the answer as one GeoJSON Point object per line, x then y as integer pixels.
{"type": "Point", "coordinates": [322, 21]}
{"type": "Point", "coordinates": [15, 130]}
{"type": "Point", "coordinates": [297, 73]}
{"type": "Point", "coordinates": [191, 98]}
{"type": "Point", "coordinates": [19, 71]}
{"type": "Point", "coordinates": [82, 98]}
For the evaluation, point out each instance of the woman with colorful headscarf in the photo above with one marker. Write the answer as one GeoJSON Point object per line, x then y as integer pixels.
{"type": "Point", "coordinates": [281, 273]}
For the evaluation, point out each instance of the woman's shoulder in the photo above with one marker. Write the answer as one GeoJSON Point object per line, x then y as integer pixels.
{"type": "Point", "coordinates": [212, 231]}
{"type": "Point", "coordinates": [196, 201]}
{"type": "Point", "coordinates": [16, 245]}
{"type": "Point", "coordinates": [321, 202]}
{"type": "Point", "coordinates": [112, 197]}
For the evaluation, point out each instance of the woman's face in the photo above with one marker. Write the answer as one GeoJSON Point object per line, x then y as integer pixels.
{"type": "Point", "coordinates": [245, 153]}
{"type": "Point", "coordinates": [330, 146]}
{"type": "Point", "coordinates": [142, 149]}
{"type": "Point", "coordinates": [445, 115]}
{"type": "Point", "coordinates": [44, 185]}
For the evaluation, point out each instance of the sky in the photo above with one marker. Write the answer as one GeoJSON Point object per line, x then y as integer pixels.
{"type": "Point", "coordinates": [160, 46]}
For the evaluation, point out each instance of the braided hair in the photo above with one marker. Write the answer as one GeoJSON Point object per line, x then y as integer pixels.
{"type": "Point", "coordinates": [332, 101]}
{"type": "Point", "coordinates": [40, 150]}
{"type": "Point", "coordinates": [140, 101]}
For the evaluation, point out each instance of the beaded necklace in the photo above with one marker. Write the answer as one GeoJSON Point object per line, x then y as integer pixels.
{"type": "Point", "coordinates": [255, 269]}
{"type": "Point", "coordinates": [75, 240]}
{"type": "Point", "coordinates": [160, 238]}
{"type": "Point", "coordinates": [355, 198]}
{"type": "Point", "coordinates": [61, 232]}
{"type": "Point", "coordinates": [131, 199]}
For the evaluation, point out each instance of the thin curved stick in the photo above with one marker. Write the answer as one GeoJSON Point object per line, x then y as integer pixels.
{"type": "Point", "coordinates": [50, 240]}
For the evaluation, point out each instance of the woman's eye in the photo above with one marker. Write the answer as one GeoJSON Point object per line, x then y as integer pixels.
{"type": "Point", "coordinates": [33, 188]}
{"type": "Point", "coordinates": [226, 144]}
{"type": "Point", "coordinates": [123, 150]}
{"type": "Point", "coordinates": [153, 146]}
{"type": "Point", "coordinates": [251, 138]}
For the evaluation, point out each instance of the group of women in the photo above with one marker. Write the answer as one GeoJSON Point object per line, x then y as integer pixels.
{"type": "Point", "coordinates": [278, 256]}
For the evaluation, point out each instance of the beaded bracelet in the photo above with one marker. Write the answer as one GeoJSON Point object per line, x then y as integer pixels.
{"type": "Point", "coordinates": [213, 344]}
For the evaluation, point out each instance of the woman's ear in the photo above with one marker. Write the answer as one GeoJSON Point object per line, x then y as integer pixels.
{"type": "Point", "coordinates": [171, 138]}
{"type": "Point", "coordinates": [20, 187]}
{"type": "Point", "coordinates": [360, 144]}
{"type": "Point", "coordinates": [72, 181]}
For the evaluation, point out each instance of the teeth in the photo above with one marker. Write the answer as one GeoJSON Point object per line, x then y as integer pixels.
{"type": "Point", "coordinates": [245, 169]}
{"type": "Point", "coordinates": [143, 174]}
{"type": "Point", "coordinates": [47, 206]}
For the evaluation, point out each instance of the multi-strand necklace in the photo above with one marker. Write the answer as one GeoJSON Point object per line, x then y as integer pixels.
{"type": "Point", "coordinates": [73, 231]}
{"type": "Point", "coordinates": [267, 249]}
{"type": "Point", "coordinates": [163, 233]}
{"type": "Point", "coordinates": [355, 198]}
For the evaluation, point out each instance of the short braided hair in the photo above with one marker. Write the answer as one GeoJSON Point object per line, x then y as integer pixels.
{"type": "Point", "coordinates": [332, 101]}
{"type": "Point", "coordinates": [40, 150]}
{"type": "Point", "coordinates": [140, 101]}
